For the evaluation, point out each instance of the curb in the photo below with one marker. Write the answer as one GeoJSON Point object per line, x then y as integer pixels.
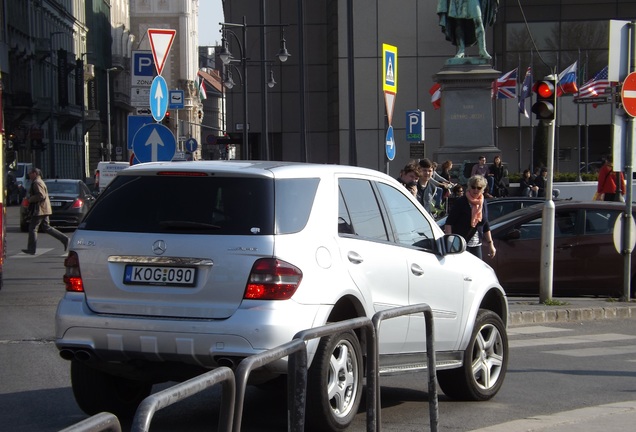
{"type": "Point", "coordinates": [570, 314]}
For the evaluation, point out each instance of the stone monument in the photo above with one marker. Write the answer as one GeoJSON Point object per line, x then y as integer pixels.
{"type": "Point", "coordinates": [466, 82]}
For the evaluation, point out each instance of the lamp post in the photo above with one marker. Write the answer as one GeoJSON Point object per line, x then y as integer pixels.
{"type": "Point", "coordinates": [108, 71]}
{"type": "Point", "coordinates": [227, 59]}
{"type": "Point", "coordinates": [52, 105]}
{"type": "Point", "coordinates": [83, 129]}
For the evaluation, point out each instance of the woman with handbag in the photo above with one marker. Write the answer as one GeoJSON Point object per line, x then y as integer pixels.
{"type": "Point", "coordinates": [607, 181]}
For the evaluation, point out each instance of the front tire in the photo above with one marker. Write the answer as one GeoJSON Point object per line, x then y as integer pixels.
{"type": "Point", "coordinates": [96, 391]}
{"type": "Point", "coordinates": [335, 383]}
{"type": "Point", "coordinates": [485, 362]}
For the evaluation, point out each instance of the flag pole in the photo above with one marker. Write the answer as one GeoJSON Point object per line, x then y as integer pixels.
{"type": "Point", "coordinates": [518, 112]}
{"type": "Point", "coordinates": [578, 121]}
{"type": "Point", "coordinates": [530, 118]}
{"type": "Point", "coordinates": [495, 91]}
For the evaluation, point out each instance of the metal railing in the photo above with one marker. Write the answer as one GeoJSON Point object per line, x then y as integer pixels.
{"type": "Point", "coordinates": [235, 383]}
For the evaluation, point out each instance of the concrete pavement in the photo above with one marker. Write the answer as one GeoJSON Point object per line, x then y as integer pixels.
{"type": "Point", "coordinates": [620, 416]}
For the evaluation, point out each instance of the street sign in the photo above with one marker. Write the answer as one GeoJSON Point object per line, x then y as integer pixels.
{"type": "Point", "coordinates": [160, 43]}
{"type": "Point", "coordinates": [143, 69]}
{"type": "Point", "coordinates": [139, 96]}
{"type": "Point", "coordinates": [596, 100]}
{"type": "Point", "coordinates": [389, 78]}
{"type": "Point", "coordinates": [390, 144]}
{"type": "Point", "coordinates": [134, 124]}
{"type": "Point", "coordinates": [159, 98]}
{"type": "Point", "coordinates": [154, 142]}
{"type": "Point", "coordinates": [176, 99]}
{"type": "Point", "coordinates": [191, 145]}
{"type": "Point", "coordinates": [415, 126]}
{"type": "Point", "coordinates": [628, 94]}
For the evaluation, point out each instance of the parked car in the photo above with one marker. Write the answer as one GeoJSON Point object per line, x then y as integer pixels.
{"type": "Point", "coordinates": [498, 207]}
{"type": "Point", "coordinates": [70, 201]}
{"type": "Point", "coordinates": [585, 260]}
{"type": "Point", "coordinates": [184, 267]}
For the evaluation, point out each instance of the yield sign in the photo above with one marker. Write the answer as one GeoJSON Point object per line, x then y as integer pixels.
{"type": "Point", "coordinates": [160, 43]}
{"type": "Point", "coordinates": [628, 94]}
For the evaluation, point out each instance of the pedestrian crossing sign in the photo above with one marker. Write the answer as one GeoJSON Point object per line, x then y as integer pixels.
{"type": "Point", "coordinates": [389, 68]}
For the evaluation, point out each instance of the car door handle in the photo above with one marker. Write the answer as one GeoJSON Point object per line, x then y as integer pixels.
{"type": "Point", "coordinates": [354, 257]}
{"type": "Point", "coordinates": [566, 246]}
{"type": "Point", "coordinates": [417, 270]}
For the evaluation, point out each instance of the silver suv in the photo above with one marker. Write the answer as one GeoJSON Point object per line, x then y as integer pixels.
{"type": "Point", "coordinates": [183, 267]}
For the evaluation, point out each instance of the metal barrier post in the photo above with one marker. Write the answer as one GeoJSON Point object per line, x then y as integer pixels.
{"type": "Point", "coordinates": [167, 397]}
{"type": "Point", "coordinates": [430, 354]}
{"type": "Point", "coordinates": [103, 421]}
{"type": "Point", "coordinates": [255, 361]}
{"type": "Point", "coordinates": [337, 327]}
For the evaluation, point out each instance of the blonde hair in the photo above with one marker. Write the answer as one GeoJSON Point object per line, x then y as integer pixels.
{"type": "Point", "coordinates": [477, 180]}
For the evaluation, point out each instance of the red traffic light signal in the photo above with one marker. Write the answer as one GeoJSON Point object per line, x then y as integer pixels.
{"type": "Point", "coordinates": [166, 118]}
{"type": "Point", "coordinates": [545, 106]}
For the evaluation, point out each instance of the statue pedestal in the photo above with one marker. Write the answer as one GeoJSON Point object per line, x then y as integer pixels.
{"type": "Point", "coordinates": [467, 110]}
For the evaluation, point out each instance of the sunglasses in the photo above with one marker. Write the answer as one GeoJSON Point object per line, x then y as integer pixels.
{"type": "Point", "coordinates": [476, 187]}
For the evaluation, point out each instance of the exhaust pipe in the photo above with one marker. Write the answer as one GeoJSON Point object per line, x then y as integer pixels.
{"type": "Point", "coordinates": [226, 361]}
{"type": "Point", "coordinates": [81, 355]}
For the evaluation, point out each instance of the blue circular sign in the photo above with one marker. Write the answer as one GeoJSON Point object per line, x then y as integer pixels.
{"type": "Point", "coordinates": [159, 96]}
{"type": "Point", "coordinates": [154, 142]}
{"type": "Point", "coordinates": [390, 144]}
{"type": "Point", "coordinates": [191, 145]}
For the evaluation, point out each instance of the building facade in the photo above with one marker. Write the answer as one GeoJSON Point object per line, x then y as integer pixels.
{"type": "Point", "coordinates": [328, 105]}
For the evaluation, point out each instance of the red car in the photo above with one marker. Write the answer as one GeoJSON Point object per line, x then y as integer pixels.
{"type": "Point", "coordinates": [585, 259]}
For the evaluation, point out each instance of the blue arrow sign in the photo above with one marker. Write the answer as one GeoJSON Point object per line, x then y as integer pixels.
{"type": "Point", "coordinates": [390, 144]}
{"type": "Point", "coordinates": [191, 145]}
{"type": "Point", "coordinates": [134, 124]}
{"type": "Point", "coordinates": [154, 142]}
{"type": "Point", "coordinates": [159, 98]}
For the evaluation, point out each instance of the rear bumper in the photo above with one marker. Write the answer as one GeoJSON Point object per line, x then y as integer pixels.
{"type": "Point", "coordinates": [253, 328]}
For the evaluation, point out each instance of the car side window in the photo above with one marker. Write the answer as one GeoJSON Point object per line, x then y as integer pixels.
{"type": "Point", "coordinates": [565, 223]}
{"type": "Point", "coordinates": [358, 211]}
{"type": "Point", "coordinates": [600, 221]}
{"type": "Point", "coordinates": [410, 225]}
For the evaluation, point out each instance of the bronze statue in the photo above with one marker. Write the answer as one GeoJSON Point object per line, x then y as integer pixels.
{"type": "Point", "coordinates": [463, 22]}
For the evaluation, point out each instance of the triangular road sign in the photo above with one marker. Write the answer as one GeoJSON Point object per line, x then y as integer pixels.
{"type": "Point", "coordinates": [160, 43]}
{"type": "Point", "coordinates": [389, 101]}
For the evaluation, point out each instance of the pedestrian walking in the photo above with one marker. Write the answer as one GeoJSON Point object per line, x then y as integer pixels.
{"type": "Point", "coordinates": [40, 210]}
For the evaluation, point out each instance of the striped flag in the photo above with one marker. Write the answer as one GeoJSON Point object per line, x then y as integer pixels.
{"type": "Point", "coordinates": [596, 86]}
{"type": "Point", "coordinates": [506, 85]}
{"type": "Point", "coordinates": [436, 95]}
{"type": "Point", "coordinates": [202, 94]}
{"type": "Point", "coordinates": [567, 81]}
{"type": "Point", "coordinates": [526, 92]}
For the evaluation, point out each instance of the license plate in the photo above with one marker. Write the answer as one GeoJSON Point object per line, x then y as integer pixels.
{"type": "Point", "coordinates": [160, 275]}
{"type": "Point", "coordinates": [56, 204]}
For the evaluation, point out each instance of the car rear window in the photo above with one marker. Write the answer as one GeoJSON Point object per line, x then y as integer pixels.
{"type": "Point", "coordinates": [185, 204]}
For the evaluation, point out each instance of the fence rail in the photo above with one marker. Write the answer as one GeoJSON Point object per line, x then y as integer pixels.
{"type": "Point", "coordinates": [235, 383]}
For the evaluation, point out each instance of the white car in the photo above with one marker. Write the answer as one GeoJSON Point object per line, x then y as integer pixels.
{"type": "Point", "coordinates": [183, 267]}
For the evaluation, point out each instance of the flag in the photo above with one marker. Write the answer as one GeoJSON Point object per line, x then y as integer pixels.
{"type": "Point", "coordinates": [506, 85]}
{"type": "Point", "coordinates": [596, 86]}
{"type": "Point", "coordinates": [436, 95]}
{"type": "Point", "coordinates": [567, 81]}
{"type": "Point", "coordinates": [526, 92]}
{"type": "Point", "coordinates": [202, 94]}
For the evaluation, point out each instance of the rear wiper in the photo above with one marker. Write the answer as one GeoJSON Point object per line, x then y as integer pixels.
{"type": "Point", "coordinates": [187, 225]}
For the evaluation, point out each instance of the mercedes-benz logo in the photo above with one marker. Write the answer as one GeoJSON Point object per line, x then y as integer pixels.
{"type": "Point", "coordinates": [159, 247]}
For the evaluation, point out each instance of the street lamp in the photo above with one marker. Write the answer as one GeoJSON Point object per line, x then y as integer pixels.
{"type": "Point", "coordinates": [108, 71]}
{"type": "Point", "coordinates": [51, 131]}
{"type": "Point", "coordinates": [226, 57]}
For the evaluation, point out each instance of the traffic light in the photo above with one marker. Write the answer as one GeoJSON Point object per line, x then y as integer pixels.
{"type": "Point", "coordinates": [545, 106]}
{"type": "Point", "coordinates": [166, 119]}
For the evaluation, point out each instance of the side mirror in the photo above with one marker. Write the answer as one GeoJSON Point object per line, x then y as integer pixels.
{"type": "Point", "coordinates": [454, 244]}
{"type": "Point", "coordinates": [513, 234]}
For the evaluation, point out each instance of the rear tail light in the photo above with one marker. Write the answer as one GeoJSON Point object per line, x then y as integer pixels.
{"type": "Point", "coordinates": [272, 279]}
{"type": "Point", "coordinates": [73, 277]}
{"type": "Point", "coordinates": [78, 203]}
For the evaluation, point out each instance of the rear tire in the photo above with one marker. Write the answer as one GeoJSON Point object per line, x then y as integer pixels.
{"type": "Point", "coordinates": [485, 362]}
{"type": "Point", "coordinates": [335, 383]}
{"type": "Point", "coordinates": [96, 391]}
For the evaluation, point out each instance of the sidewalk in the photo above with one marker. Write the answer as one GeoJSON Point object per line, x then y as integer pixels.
{"type": "Point", "coordinates": [619, 416]}
{"type": "Point", "coordinates": [528, 310]}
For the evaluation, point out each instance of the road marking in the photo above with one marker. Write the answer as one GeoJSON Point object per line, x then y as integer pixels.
{"type": "Point", "coordinates": [569, 340]}
{"type": "Point", "coordinates": [38, 252]}
{"type": "Point", "coordinates": [534, 330]}
{"type": "Point", "coordinates": [601, 351]}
